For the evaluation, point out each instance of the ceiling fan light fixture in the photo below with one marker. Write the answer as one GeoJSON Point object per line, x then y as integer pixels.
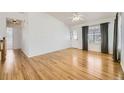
{"type": "Point", "coordinates": [77, 17]}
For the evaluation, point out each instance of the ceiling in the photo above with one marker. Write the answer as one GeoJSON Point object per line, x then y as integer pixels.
{"type": "Point", "coordinates": [88, 17]}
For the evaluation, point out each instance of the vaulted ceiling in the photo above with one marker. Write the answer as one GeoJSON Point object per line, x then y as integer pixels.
{"type": "Point", "coordinates": [88, 17]}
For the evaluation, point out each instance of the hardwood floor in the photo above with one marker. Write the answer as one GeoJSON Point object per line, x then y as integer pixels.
{"type": "Point", "coordinates": [68, 64]}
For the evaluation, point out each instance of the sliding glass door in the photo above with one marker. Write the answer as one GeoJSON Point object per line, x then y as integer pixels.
{"type": "Point", "coordinates": [94, 38]}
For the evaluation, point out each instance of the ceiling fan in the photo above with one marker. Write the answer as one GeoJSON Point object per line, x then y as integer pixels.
{"type": "Point", "coordinates": [76, 17]}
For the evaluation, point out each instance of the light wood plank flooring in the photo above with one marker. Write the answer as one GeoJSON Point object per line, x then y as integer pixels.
{"type": "Point", "coordinates": [68, 64]}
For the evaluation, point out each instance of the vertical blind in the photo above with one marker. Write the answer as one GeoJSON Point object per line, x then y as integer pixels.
{"type": "Point", "coordinates": [104, 37]}
{"type": "Point", "coordinates": [85, 37]}
{"type": "Point", "coordinates": [115, 39]}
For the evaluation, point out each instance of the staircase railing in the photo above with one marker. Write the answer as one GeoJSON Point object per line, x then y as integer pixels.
{"type": "Point", "coordinates": [3, 50]}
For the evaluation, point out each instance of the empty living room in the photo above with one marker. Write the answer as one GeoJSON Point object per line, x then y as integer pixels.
{"type": "Point", "coordinates": [61, 46]}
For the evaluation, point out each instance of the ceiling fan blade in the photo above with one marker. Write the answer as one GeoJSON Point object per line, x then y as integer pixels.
{"type": "Point", "coordinates": [69, 17]}
{"type": "Point", "coordinates": [82, 18]}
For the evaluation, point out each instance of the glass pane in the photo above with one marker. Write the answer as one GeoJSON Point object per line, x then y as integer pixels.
{"type": "Point", "coordinates": [75, 35]}
{"type": "Point", "coordinates": [94, 38]}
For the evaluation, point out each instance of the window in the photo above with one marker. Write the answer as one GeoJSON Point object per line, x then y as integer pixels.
{"type": "Point", "coordinates": [94, 38]}
{"type": "Point", "coordinates": [74, 35]}
{"type": "Point", "coordinates": [94, 34]}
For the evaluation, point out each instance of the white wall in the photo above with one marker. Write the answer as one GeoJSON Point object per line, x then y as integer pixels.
{"type": "Point", "coordinates": [2, 26]}
{"type": "Point", "coordinates": [122, 42]}
{"type": "Point", "coordinates": [46, 34]}
{"type": "Point", "coordinates": [25, 36]}
{"type": "Point", "coordinates": [78, 28]}
{"type": "Point", "coordinates": [17, 37]}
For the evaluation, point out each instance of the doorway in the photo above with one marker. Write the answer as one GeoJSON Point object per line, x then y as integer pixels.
{"type": "Point", "coordinates": [9, 38]}
{"type": "Point", "coordinates": [13, 34]}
